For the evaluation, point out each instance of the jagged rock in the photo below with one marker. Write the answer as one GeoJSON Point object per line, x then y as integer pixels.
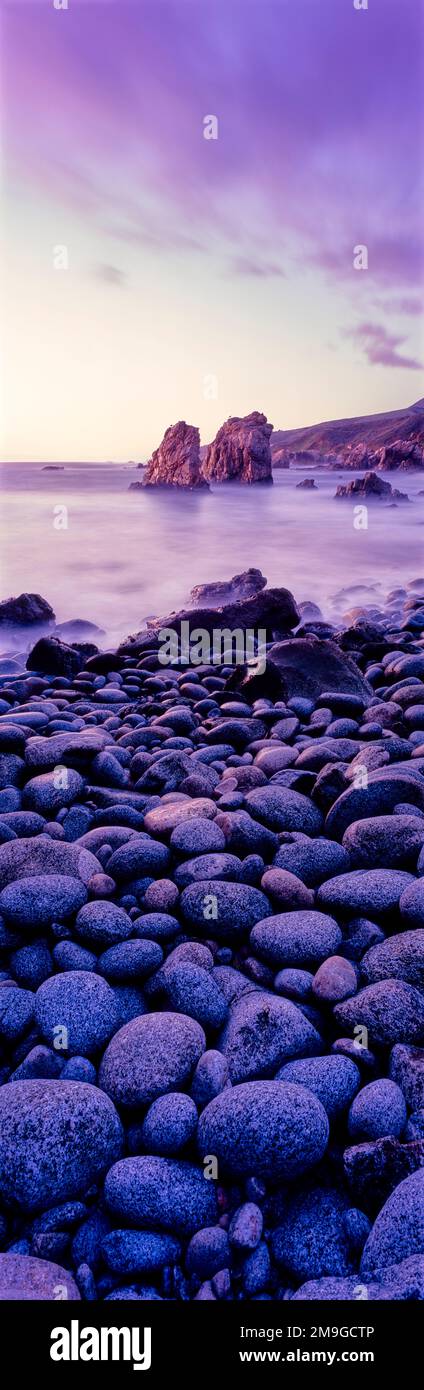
{"type": "Point", "coordinates": [55, 658]}
{"type": "Point", "coordinates": [306, 667]}
{"type": "Point", "coordinates": [234, 590]}
{"type": "Point", "coordinates": [26, 610]}
{"type": "Point", "coordinates": [176, 463]}
{"type": "Point", "coordinates": [273, 610]}
{"type": "Point", "coordinates": [404, 455]}
{"type": "Point", "coordinates": [371, 486]}
{"type": "Point", "coordinates": [308, 483]}
{"type": "Point", "coordinates": [241, 451]}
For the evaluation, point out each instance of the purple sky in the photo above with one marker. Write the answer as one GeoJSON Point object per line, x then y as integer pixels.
{"type": "Point", "coordinates": [188, 257]}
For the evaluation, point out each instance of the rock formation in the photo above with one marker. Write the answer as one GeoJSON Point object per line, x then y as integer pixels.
{"type": "Point", "coordinates": [176, 463]}
{"type": "Point", "coordinates": [371, 486]}
{"type": "Point", "coordinates": [25, 611]}
{"type": "Point", "coordinates": [308, 483]}
{"type": "Point", "coordinates": [234, 590]}
{"type": "Point", "coordinates": [273, 610]}
{"type": "Point", "coordinates": [305, 667]}
{"type": "Point", "coordinates": [241, 451]}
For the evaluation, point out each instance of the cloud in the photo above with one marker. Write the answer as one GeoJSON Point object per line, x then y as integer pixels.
{"type": "Point", "coordinates": [255, 266]}
{"type": "Point", "coordinates": [381, 347]}
{"type": "Point", "coordinates": [403, 305]}
{"type": "Point", "coordinates": [110, 274]}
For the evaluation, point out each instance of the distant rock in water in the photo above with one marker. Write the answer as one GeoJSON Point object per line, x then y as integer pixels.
{"type": "Point", "coordinates": [241, 451]}
{"type": "Point", "coordinates": [308, 483]}
{"type": "Point", "coordinates": [77, 630]}
{"type": "Point", "coordinates": [53, 468]}
{"type": "Point", "coordinates": [26, 610]}
{"type": "Point", "coordinates": [176, 463]}
{"type": "Point", "coordinates": [371, 486]}
{"type": "Point", "coordinates": [233, 590]}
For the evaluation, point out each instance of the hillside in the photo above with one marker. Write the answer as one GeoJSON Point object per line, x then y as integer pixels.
{"type": "Point", "coordinates": [333, 437]}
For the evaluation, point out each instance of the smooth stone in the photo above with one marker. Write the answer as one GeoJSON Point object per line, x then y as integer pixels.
{"type": "Point", "coordinates": [162, 820]}
{"type": "Point", "coordinates": [335, 980]}
{"type": "Point", "coordinates": [37, 901]}
{"type": "Point", "coordinates": [80, 1003]}
{"type": "Point", "coordinates": [225, 867]}
{"type": "Point", "coordinates": [24, 1278]}
{"type": "Point", "coordinates": [399, 1228]}
{"type": "Point", "coordinates": [41, 855]}
{"type": "Point", "coordinates": [208, 1251]}
{"type": "Point", "coordinates": [262, 1032]}
{"type": "Point", "coordinates": [282, 809]}
{"type": "Point", "coordinates": [390, 1010]}
{"type": "Point", "coordinates": [385, 842]}
{"type": "Point", "coordinates": [334, 1080]}
{"type": "Point", "coordinates": [140, 856]}
{"type": "Point", "coordinates": [130, 960]}
{"type": "Point", "coordinates": [313, 861]}
{"type": "Point", "coordinates": [227, 910]}
{"type": "Point", "coordinates": [57, 1138]}
{"type": "Point", "coordinates": [378, 1110]}
{"type": "Point", "coordinates": [198, 836]}
{"type": "Point", "coordinates": [139, 1252]}
{"type": "Point", "coordinates": [400, 957]}
{"type": "Point", "coordinates": [49, 793]}
{"type": "Point", "coordinates": [164, 1193]}
{"type": "Point", "coordinates": [193, 991]}
{"type": "Point", "coordinates": [286, 889]}
{"type": "Point", "coordinates": [386, 787]}
{"type": "Point", "coordinates": [103, 923]}
{"type": "Point", "coordinates": [16, 1011]}
{"type": "Point", "coordinates": [368, 892]}
{"type": "Point", "coordinates": [296, 938]}
{"type": "Point", "coordinates": [169, 1124]}
{"type": "Point", "coordinates": [150, 1056]}
{"type": "Point", "coordinates": [269, 1128]}
{"type": "Point", "coordinates": [210, 1077]}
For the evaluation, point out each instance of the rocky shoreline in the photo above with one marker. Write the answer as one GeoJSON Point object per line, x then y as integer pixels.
{"type": "Point", "coordinates": [211, 976]}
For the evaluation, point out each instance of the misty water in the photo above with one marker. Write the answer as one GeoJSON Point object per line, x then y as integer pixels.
{"type": "Point", "coordinates": [126, 555]}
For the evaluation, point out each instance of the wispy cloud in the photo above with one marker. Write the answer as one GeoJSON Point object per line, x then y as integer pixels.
{"type": "Point", "coordinates": [380, 347]}
{"type": "Point", "coordinates": [256, 267]}
{"type": "Point", "coordinates": [110, 274]}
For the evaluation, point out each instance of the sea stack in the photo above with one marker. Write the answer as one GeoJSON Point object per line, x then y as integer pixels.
{"type": "Point", "coordinates": [241, 451]}
{"type": "Point", "coordinates": [176, 463]}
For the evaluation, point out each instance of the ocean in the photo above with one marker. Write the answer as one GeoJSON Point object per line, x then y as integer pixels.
{"type": "Point", "coordinates": [96, 550]}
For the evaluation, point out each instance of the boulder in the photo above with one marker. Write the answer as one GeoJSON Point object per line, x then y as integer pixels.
{"type": "Point", "coordinates": [176, 463]}
{"type": "Point", "coordinates": [241, 451]}
{"type": "Point", "coordinates": [57, 1138]}
{"type": "Point", "coordinates": [272, 610]}
{"type": "Point", "coordinates": [26, 611]}
{"type": "Point", "coordinates": [370, 486]}
{"type": "Point", "coordinates": [55, 658]}
{"type": "Point", "coordinates": [306, 667]}
{"type": "Point", "coordinates": [234, 590]}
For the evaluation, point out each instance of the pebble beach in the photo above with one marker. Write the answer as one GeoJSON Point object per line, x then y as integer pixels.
{"type": "Point", "coordinates": [211, 979]}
